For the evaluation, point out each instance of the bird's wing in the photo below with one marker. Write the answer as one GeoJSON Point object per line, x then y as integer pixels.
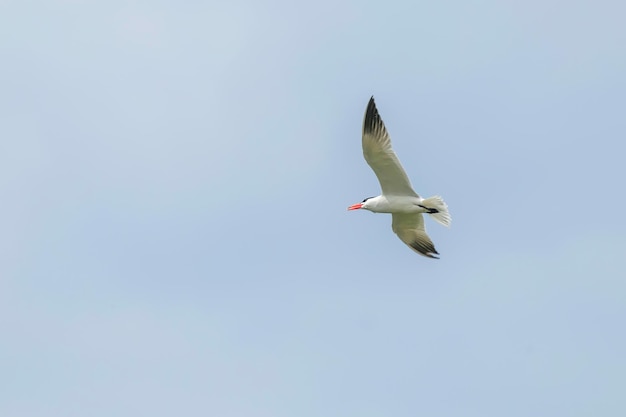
{"type": "Point", "coordinates": [410, 229]}
{"type": "Point", "coordinates": [381, 157]}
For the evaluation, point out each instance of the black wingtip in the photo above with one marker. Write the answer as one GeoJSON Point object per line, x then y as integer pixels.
{"type": "Point", "coordinates": [425, 248]}
{"type": "Point", "coordinates": [371, 117]}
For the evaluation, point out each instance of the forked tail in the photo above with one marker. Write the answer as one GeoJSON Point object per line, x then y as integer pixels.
{"type": "Point", "coordinates": [439, 209]}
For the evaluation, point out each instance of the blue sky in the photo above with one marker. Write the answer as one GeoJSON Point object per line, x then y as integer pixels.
{"type": "Point", "coordinates": [175, 240]}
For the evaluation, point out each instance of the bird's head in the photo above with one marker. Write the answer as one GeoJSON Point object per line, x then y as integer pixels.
{"type": "Point", "coordinates": [365, 204]}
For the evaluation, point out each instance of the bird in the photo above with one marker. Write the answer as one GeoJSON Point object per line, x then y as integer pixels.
{"type": "Point", "coordinates": [397, 197]}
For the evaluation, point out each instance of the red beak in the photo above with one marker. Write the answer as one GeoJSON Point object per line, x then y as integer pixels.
{"type": "Point", "coordinates": [355, 206]}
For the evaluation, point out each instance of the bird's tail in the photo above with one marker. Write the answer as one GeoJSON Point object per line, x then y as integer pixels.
{"type": "Point", "coordinates": [439, 209]}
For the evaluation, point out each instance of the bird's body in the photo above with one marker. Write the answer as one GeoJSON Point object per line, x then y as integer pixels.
{"type": "Point", "coordinates": [398, 196]}
{"type": "Point", "coordinates": [396, 204]}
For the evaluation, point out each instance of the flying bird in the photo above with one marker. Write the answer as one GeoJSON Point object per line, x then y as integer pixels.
{"type": "Point", "coordinates": [398, 197]}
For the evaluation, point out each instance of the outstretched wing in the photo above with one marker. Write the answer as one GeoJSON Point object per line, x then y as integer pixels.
{"type": "Point", "coordinates": [410, 229]}
{"type": "Point", "coordinates": [381, 157]}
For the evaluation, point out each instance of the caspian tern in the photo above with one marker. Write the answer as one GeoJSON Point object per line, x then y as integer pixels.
{"type": "Point", "coordinates": [398, 198]}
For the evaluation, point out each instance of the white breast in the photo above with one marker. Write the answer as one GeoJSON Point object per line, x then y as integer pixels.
{"type": "Point", "coordinates": [395, 204]}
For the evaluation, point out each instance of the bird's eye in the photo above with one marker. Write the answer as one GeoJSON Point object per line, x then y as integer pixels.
{"type": "Point", "coordinates": [365, 200]}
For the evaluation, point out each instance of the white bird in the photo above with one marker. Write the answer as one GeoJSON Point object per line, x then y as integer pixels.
{"type": "Point", "coordinates": [398, 197]}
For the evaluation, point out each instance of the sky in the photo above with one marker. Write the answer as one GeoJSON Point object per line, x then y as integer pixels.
{"type": "Point", "coordinates": [174, 238]}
